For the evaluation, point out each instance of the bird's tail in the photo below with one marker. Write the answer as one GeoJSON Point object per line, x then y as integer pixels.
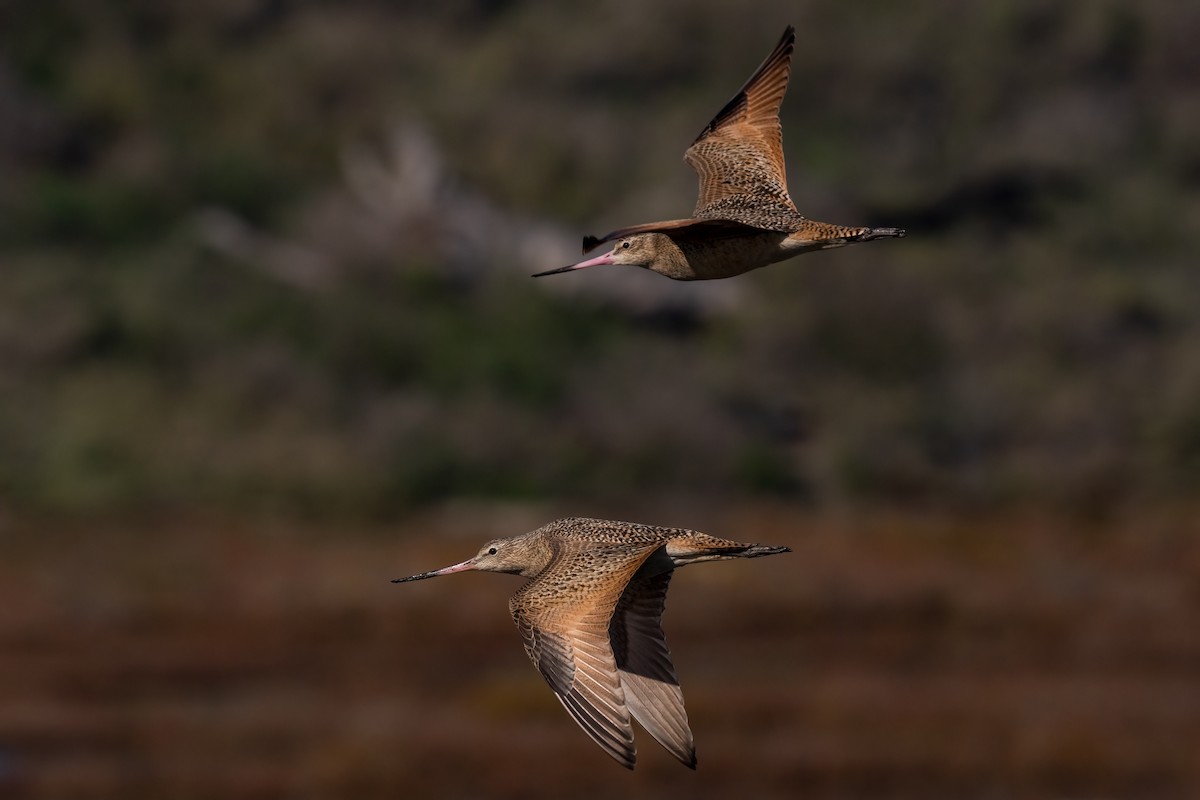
{"type": "Point", "coordinates": [710, 548]}
{"type": "Point", "coordinates": [880, 233]}
{"type": "Point", "coordinates": [757, 550]}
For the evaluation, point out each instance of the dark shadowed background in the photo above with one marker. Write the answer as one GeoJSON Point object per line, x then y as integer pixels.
{"type": "Point", "coordinates": [267, 339]}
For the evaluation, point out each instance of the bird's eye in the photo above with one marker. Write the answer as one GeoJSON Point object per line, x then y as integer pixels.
{"type": "Point", "coordinates": [491, 551]}
{"type": "Point", "coordinates": [624, 245]}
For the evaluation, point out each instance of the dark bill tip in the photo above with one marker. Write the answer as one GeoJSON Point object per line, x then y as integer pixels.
{"type": "Point", "coordinates": [567, 268]}
{"type": "Point", "coordinates": [422, 576]}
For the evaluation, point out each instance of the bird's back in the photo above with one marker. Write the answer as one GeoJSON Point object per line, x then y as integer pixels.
{"type": "Point", "coordinates": [585, 531]}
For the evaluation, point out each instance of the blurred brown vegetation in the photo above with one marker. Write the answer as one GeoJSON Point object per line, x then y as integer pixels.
{"type": "Point", "coordinates": [264, 290]}
{"type": "Point", "coordinates": [888, 656]}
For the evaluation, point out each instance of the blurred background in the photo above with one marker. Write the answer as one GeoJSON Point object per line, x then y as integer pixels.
{"type": "Point", "coordinates": [267, 339]}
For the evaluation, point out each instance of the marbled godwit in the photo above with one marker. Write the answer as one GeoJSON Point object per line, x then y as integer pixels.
{"type": "Point", "coordinates": [744, 218]}
{"type": "Point", "coordinates": [591, 617]}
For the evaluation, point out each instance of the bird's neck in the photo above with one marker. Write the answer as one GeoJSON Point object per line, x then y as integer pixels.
{"type": "Point", "coordinates": [670, 260]}
{"type": "Point", "coordinates": [539, 551]}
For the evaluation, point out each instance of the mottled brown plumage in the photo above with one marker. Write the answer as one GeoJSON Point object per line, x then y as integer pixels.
{"type": "Point", "coordinates": [744, 218]}
{"type": "Point", "coordinates": [590, 617]}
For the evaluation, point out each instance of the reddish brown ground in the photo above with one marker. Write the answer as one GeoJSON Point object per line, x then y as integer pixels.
{"type": "Point", "coordinates": [888, 656]}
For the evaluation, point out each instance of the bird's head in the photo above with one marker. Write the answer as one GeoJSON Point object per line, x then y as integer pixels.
{"type": "Point", "coordinates": [636, 250]}
{"type": "Point", "coordinates": [519, 555]}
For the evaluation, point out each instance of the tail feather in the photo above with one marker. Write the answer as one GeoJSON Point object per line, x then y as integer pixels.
{"type": "Point", "coordinates": [881, 233]}
{"type": "Point", "coordinates": [758, 550]}
{"type": "Point", "coordinates": [681, 554]}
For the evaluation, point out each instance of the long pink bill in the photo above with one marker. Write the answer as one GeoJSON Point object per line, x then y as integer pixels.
{"type": "Point", "coordinates": [460, 567]}
{"type": "Point", "coordinates": [591, 262]}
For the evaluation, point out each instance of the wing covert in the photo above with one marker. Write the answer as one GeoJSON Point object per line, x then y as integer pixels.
{"type": "Point", "coordinates": [564, 622]}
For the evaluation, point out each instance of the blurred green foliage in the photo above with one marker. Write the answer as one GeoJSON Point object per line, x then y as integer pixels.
{"type": "Point", "coordinates": [1033, 340]}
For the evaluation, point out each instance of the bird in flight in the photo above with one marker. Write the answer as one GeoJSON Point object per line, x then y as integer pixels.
{"type": "Point", "coordinates": [744, 218]}
{"type": "Point", "coordinates": [591, 618]}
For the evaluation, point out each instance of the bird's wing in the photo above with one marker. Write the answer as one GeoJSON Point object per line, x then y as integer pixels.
{"type": "Point", "coordinates": [739, 156]}
{"type": "Point", "coordinates": [563, 615]}
{"type": "Point", "coordinates": [676, 229]}
{"type": "Point", "coordinates": [651, 687]}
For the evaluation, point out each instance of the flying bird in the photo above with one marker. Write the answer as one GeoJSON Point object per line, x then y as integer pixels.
{"type": "Point", "coordinates": [591, 618]}
{"type": "Point", "coordinates": [744, 218]}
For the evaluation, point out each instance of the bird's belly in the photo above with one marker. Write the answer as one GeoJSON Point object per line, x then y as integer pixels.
{"type": "Point", "coordinates": [724, 258]}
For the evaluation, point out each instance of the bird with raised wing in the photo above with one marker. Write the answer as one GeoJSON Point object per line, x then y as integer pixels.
{"type": "Point", "coordinates": [591, 618]}
{"type": "Point", "coordinates": [744, 218]}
